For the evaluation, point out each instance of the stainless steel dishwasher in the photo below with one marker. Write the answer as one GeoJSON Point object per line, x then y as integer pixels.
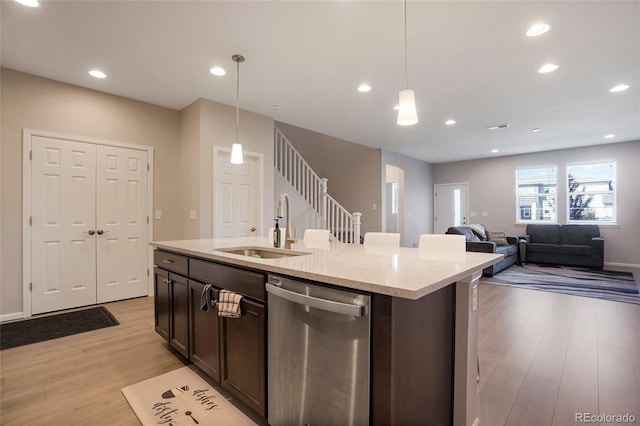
{"type": "Point", "coordinates": [318, 356]}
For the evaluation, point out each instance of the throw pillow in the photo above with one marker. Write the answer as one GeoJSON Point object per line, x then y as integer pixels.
{"type": "Point", "coordinates": [500, 238]}
{"type": "Point", "coordinates": [479, 230]}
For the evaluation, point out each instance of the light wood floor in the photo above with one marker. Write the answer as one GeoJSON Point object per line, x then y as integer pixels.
{"type": "Point", "coordinates": [543, 357]}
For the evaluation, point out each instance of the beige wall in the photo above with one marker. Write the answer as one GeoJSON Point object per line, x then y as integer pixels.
{"type": "Point", "coordinates": [218, 128]}
{"type": "Point", "coordinates": [41, 104]}
{"type": "Point", "coordinates": [189, 170]}
{"type": "Point", "coordinates": [354, 171]}
{"type": "Point", "coordinates": [492, 190]}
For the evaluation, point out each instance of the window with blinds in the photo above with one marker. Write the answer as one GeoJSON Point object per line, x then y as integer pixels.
{"type": "Point", "coordinates": [591, 196]}
{"type": "Point", "coordinates": [536, 199]}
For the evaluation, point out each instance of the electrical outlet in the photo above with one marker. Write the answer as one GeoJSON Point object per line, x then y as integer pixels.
{"type": "Point", "coordinates": [158, 214]}
{"type": "Point", "coordinates": [485, 214]}
{"type": "Point", "coordinates": [192, 214]}
{"type": "Point", "coordinates": [374, 207]}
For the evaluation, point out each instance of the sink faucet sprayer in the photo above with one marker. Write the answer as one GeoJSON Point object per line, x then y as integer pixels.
{"type": "Point", "coordinates": [280, 214]}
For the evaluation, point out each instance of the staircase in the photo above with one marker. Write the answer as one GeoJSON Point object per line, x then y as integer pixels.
{"type": "Point", "coordinates": [344, 226]}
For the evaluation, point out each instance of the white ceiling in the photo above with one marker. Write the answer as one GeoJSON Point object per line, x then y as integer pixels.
{"type": "Point", "coordinates": [469, 61]}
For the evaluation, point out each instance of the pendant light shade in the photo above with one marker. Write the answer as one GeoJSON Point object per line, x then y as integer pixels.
{"type": "Point", "coordinates": [407, 114]}
{"type": "Point", "coordinates": [236, 149]}
{"type": "Point", "coordinates": [236, 154]}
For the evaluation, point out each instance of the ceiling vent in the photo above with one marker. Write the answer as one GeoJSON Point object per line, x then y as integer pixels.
{"type": "Point", "coordinates": [498, 126]}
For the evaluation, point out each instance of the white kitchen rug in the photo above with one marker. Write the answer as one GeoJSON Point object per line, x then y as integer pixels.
{"type": "Point", "coordinates": [182, 398]}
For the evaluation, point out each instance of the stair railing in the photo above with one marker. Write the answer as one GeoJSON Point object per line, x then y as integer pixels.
{"type": "Point", "coordinates": [313, 189]}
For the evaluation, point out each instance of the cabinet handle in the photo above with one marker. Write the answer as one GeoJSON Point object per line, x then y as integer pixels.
{"type": "Point", "coordinates": [167, 261]}
{"type": "Point", "coordinates": [166, 280]}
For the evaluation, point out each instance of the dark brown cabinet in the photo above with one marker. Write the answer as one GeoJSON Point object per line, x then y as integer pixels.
{"type": "Point", "coordinates": [243, 355]}
{"type": "Point", "coordinates": [204, 336]}
{"type": "Point", "coordinates": [179, 322]}
{"type": "Point", "coordinates": [162, 302]}
{"type": "Point", "coordinates": [232, 351]}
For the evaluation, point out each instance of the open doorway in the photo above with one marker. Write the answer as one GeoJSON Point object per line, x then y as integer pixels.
{"type": "Point", "coordinates": [394, 206]}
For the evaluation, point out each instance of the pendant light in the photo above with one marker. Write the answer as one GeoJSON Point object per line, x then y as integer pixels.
{"type": "Point", "coordinates": [407, 115]}
{"type": "Point", "coordinates": [236, 149]}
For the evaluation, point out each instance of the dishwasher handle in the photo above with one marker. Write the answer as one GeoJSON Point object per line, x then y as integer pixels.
{"type": "Point", "coordinates": [314, 302]}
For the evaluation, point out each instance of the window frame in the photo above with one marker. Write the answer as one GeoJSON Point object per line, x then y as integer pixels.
{"type": "Point", "coordinates": [518, 207]}
{"type": "Point", "coordinates": [613, 192]}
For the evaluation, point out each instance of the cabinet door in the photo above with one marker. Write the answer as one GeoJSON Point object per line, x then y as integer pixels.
{"type": "Point", "coordinates": [179, 319]}
{"type": "Point", "coordinates": [161, 302]}
{"type": "Point", "coordinates": [204, 338]}
{"type": "Point", "coordinates": [243, 355]}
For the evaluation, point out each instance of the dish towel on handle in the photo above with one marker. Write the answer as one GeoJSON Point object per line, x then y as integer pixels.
{"type": "Point", "coordinates": [229, 304]}
{"type": "Point", "coordinates": [205, 298]}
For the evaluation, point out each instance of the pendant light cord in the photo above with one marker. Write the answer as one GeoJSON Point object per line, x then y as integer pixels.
{"type": "Point", "coordinates": [404, 21]}
{"type": "Point", "coordinates": [237, 99]}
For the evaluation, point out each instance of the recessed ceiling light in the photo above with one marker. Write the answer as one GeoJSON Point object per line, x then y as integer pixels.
{"type": "Point", "coordinates": [547, 68]}
{"type": "Point", "coordinates": [619, 88]}
{"type": "Point", "coordinates": [538, 29]}
{"type": "Point", "coordinates": [364, 88]}
{"type": "Point", "coordinates": [30, 3]}
{"type": "Point", "coordinates": [450, 122]}
{"type": "Point", "coordinates": [217, 71]}
{"type": "Point", "coordinates": [396, 108]}
{"type": "Point", "coordinates": [609, 136]}
{"type": "Point", "coordinates": [97, 74]}
{"type": "Point", "coordinates": [275, 106]}
{"type": "Point", "coordinates": [536, 130]}
{"type": "Point", "coordinates": [493, 151]}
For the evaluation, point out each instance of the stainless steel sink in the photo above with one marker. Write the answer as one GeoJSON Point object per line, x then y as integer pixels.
{"type": "Point", "coordinates": [262, 252]}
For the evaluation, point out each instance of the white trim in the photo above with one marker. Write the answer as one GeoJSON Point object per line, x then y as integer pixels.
{"type": "Point", "coordinates": [11, 317]}
{"type": "Point", "coordinates": [259, 186]}
{"type": "Point", "coordinates": [27, 135]}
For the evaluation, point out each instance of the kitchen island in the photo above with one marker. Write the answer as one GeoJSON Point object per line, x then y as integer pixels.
{"type": "Point", "coordinates": [423, 317]}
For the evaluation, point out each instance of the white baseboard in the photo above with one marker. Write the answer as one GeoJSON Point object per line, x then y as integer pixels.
{"type": "Point", "coordinates": [621, 267]}
{"type": "Point", "coordinates": [10, 317]}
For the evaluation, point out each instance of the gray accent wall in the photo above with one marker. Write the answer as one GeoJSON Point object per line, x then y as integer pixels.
{"type": "Point", "coordinates": [492, 191]}
{"type": "Point", "coordinates": [353, 171]}
{"type": "Point", "coordinates": [418, 195]}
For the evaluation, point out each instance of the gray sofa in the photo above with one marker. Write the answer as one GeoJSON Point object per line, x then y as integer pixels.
{"type": "Point", "coordinates": [478, 243]}
{"type": "Point", "coordinates": [570, 245]}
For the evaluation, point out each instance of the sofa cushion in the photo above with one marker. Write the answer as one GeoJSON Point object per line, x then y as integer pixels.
{"type": "Point", "coordinates": [581, 249]}
{"type": "Point", "coordinates": [480, 230]}
{"type": "Point", "coordinates": [508, 250]}
{"type": "Point", "coordinates": [544, 234]}
{"type": "Point", "coordinates": [500, 238]}
{"type": "Point", "coordinates": [463, 230]}
{"type": "Point", "coordinates": [578, 234]}
{"type": "Point", "coordinates": [542, 248]}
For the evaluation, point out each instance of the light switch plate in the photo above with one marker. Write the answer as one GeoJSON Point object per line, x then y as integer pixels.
{"type": "Point", "coordinates": [158, 214]}
{"type": "Point", "coordinates": [193, 214]}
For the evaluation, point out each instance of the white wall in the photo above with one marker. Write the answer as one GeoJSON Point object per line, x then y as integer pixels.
{"type": "Point", "coordinates": [492, 190]}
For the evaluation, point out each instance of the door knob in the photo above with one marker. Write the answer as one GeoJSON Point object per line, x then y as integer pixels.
{"type": "Point", "coordinates": [253, 229]}
{"type": "Point", "coordinates": [90, 232]}
{"type": "Point", "coordinates": [100, 232]}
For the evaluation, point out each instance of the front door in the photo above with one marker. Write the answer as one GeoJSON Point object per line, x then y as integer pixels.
{"type": "Point", "coordinates": [450, 205]}
{"type": "Point", "coordinates": [236, 196]}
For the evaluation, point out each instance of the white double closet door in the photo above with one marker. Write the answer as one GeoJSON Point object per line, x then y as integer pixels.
{"type": "Point", "coordinates": [89, 237]}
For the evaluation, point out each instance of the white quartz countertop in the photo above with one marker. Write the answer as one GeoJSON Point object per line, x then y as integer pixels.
{"type": "Point", "coordinates": [401, 272]}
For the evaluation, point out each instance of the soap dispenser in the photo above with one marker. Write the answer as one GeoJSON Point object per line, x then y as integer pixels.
{"type": "Point", "coordinates": [276, 235]}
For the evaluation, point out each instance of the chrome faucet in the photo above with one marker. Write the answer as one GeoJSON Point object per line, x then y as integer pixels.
{"type": "Point", "coordinates": [280, 214]}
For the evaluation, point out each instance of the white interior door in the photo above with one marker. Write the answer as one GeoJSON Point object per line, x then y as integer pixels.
{"type": "Point", "coordinates": [236, 197]}
{"type": "Point", "coordinates": [121, 221]}
{"type": "Point", "coordinates": [63, 216]}
{"type": "Point", "coordinates": [450, 202]}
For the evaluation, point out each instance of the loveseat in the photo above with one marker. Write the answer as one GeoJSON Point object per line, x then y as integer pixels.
{"type": "Point", "coordinates": [478, 240]}
{"type": "Point", "coordinates": [570, 245]}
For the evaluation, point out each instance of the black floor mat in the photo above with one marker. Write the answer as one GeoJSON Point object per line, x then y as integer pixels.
{"type": "Point", "coordinates": [39, 329]}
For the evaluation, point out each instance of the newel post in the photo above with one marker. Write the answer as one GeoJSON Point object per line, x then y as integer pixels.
{"type": "Point", "coordinates": [356, 227]}
{"type": "Point", "coordinates": [325, 201]}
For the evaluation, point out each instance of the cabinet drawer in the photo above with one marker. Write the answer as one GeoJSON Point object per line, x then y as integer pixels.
{"type": "Point", "coordinates": [247, 283]}
{"type": "Point", "coordinates": [171, 261]}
